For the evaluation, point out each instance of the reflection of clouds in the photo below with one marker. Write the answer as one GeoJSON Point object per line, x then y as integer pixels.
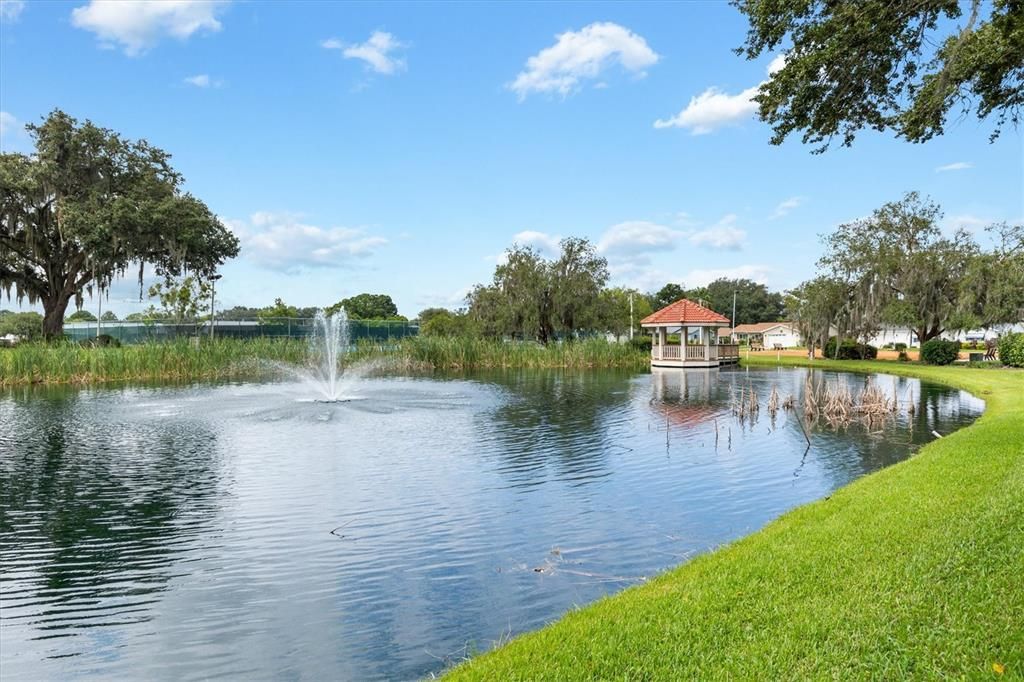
{"type": "Point", "coordinates": [216, 504]}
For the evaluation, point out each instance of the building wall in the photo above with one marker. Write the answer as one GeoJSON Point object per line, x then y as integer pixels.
{"type": "Point", "coordinates": [783, 336]}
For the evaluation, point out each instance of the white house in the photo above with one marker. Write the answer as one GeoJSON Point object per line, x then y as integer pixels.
{"type": "Point", "coordinates": [893, 335]}
{"type": "Point", "coordinates": [770, 334]}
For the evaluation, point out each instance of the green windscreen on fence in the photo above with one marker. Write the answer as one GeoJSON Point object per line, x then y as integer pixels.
{"type": "Point", "coordinates": [296, 328]}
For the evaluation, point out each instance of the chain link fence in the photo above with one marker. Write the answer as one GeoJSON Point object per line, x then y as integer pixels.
{"type": "Point", "coordinates": [379, 331]}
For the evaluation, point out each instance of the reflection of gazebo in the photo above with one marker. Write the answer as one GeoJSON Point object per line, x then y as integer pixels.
{"type": "Point", "coordinates": [698, 339]}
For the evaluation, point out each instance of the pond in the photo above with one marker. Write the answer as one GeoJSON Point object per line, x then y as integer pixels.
{"type": "Point", "coordinates": [245, 530]}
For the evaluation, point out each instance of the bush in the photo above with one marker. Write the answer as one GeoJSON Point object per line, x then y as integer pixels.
{"type": "Point", "coordinates": [642, 342]}
{"type": "Point", "coordinates": [24, 325]}
{"type": "Point", "coordinates": [103, 340]}
{"type": "Point", "coordinates": [1011, 350]}
{"type": "Point", "coordinates": [939, 351]}
{"type": "Point", "coordinates": [900, 347]}
{"type": "Point", "coordinates": [849, 350]}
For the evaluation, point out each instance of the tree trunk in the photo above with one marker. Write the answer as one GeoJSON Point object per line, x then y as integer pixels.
{"type": "Point", "coordinates": [927, 334]}
{"type": "Point", "coordinates": [53, 316]}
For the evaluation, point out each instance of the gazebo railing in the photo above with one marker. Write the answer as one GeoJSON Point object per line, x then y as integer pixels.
{"type": "Point", "coordinates": [667, 352]}
{"type": "Point", "coordinates": [728, 350]}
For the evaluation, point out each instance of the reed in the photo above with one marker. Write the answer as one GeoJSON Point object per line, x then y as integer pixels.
{"type": "Point", "coordinates": [35, 363]}
{"type": "Point", "coordinates": [458, 353]}
{"type": "Point", "coordinates": [184, 359]}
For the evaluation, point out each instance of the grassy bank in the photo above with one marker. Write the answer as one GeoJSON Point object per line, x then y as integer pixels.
{"type": "Point", "coordinates": [914, 571]}
{"type": "Point", "coordinates": [239, 358]}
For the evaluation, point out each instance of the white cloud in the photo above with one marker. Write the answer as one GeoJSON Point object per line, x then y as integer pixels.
{"type": "Point", "coordinates": [138, 25]}
{"type": "Point", "coordinates": [8, 123]}
{"type": "Point", "coordinates": [203, 80]}
{"type": "Point", "coordinates": [12, 133]}
{"type": "Point", "coordinates": [10, 10]}
{"type": "Point", "coordinates": [702, 277]}
{"type": "Point", "coordinates": [722, 235]}
{"type": "Point", "coordinates": [549, 245]}
{"type": "Point", "coordinates": [280, 241]}
{"type": "Point", "coordinates": [959, 165]}
{"type": "Point", "coordinates": [712, 109]}
{"type": "Point", "coordinates": [635, 237]}
{"type": "Point", "coordinates": [785, 207]}
{"type": "Point", "coordinates": [715, 108]}
{"type": "Point", "coordinates": [376, 52]}
{"type": "Point", "coordinates": [776, 64]}
{"type": "Point", "coordinates": [971, 223]}
{"type": "Point", "coordinates": [583, 55]}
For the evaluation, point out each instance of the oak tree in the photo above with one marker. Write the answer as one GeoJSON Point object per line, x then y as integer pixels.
{"type": "Point", "coordinates": [88, 205]}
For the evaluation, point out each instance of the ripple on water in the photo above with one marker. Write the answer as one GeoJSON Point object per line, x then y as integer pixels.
{"type": "Point", "coordinates": [242, 530]}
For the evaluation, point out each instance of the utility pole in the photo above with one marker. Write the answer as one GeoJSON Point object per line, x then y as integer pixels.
{"type": "Point", "coordinates": [213, 310]}
{"type": "Point", "coordinates": [732, 320]}
{"type": "Point", "coordinates": [631, 316]}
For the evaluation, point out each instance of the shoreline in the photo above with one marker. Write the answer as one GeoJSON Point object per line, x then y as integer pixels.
{"type": "Point", "coordinates": [910, 571]}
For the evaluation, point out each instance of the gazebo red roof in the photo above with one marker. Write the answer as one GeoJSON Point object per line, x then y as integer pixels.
{"type": "Point", "coordinates": [685, 311]}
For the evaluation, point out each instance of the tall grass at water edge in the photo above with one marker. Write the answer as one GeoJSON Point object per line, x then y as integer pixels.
{"type": "Point", "coordinates": [248, 358]}
{"type": "Point", "coordinates": [178, 359]}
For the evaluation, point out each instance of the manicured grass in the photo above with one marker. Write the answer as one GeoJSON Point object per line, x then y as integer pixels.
{"type": "Point", "coordinates": [185, 359]}
{"type": "Point", "coordinates": [915, 571]}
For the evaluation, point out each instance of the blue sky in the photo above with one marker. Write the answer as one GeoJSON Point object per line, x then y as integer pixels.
{"type": "Point", "coordinates": [400, 148]}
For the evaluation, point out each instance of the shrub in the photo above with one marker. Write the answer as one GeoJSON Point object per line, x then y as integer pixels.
{"type": "Point", "coordinates": [103, 340]}
{"type": "Point", "coordinates": [1011, 350]}
{"type": "Point", "coordinates": [900, 347]}
{"type": "Point", "coordinates": [939, 351]}
{"type": "Point", "coordinates": [642, 342]}
{"type": "Point", "coordinates": [24, 325]}
{"type": "Point", "coordinates": [849, 350]}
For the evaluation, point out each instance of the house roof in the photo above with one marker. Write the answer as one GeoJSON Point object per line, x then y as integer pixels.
{"type": "Point", "coordinates": [760, 327]}
{"type": "Point", "coordinates": [684, 311]}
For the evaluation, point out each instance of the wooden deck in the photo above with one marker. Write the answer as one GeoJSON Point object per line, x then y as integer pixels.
{"type": "Point", "coordinates": [694, 355]}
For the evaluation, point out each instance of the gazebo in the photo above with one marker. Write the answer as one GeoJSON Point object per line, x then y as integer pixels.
{"type": "Point", "coordinates": [697, 328]}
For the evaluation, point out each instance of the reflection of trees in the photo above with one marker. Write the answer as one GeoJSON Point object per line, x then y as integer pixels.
{"type": "Point", "coordinates": [556, 420]}
{"type": "Point", "coordinates": [94, 511]}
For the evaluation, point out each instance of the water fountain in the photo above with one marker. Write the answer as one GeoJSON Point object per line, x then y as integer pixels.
{"type": "Point", "coordinates": [328, 342]}
{"type": "Point", "coordinates": [327, 345]}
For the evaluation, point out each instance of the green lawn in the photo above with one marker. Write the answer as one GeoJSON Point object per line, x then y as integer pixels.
{"type": "Point", "coordinates": [916, 571]}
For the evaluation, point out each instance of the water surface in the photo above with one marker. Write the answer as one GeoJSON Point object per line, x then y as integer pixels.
{"type": "Point", "coordinates": [244, 530]}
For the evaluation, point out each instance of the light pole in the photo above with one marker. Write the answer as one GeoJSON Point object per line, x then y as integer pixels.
{"type": "Point", "coordinates": [631, 316]}
{"type": "Point", "coordinates": [213, 310]}
{"type": "Point", "coordinates": [732, 320]}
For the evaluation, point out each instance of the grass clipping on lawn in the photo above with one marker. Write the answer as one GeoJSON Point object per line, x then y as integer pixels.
{"type": "Point", "coordinates": [913, 571]}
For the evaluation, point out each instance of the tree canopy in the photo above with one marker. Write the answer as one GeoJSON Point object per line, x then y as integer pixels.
{"type": "Point", "coordinates": [182, 299]}
{"type": "Point", "coordinates": [88, 205]}
{"type": "Point", "coordinates": [534, 298]}
{"type": "Point", "coordinates": [366, 307]}
{"type": "Point", "coordinates": [876, 64]}
{"type": "Point", "coordinates": [615, 310]}
{"type": "Point", "coordinates": [27, 325]}
{"type": "Point", "coordinates": [667, 295]}
{"type": "Point", "coordinates": [898, 267]}
{"type": "Point", "coordinates": [901, 267]}
{"type": "Point", "coordinates": [81, 316]}
{"type": "Point", "coordinates": [754, 303]}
